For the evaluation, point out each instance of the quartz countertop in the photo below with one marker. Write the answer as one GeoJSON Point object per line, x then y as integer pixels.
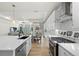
{"type": "Point", "coordinates": [72, 48]}
{"type": "Point", "coordinates": [10, 42]}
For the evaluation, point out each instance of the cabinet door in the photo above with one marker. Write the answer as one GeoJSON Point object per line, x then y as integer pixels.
{"type": "Point", "coordinates": [28, 45]}
{"type": "Point", "coordinates": [63, 52]}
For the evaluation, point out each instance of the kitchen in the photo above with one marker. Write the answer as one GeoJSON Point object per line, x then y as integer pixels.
{"type": "Point", "coordinates": [39, 29]}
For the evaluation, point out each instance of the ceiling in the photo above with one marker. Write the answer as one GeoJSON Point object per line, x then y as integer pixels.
{"type": "Point", "coordinates": [31, 11]}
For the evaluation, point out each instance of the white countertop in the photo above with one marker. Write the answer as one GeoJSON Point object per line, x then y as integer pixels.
{"type": "Point", "coordinates": [10, 42]}
{"type": "Point", "coordinates": [54, 36]}
{"type": "Point", "coordinates": [72, 48]}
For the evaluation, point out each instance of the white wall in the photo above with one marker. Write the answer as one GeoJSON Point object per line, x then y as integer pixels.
{"type": "Point", "coordinates": [49, 25]}
{"type": "Point", "coordinates": [4, 27]}
{"type": "Point", "coordinates": [65, 26]}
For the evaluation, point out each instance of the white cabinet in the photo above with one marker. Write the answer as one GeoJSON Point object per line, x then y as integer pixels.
{"type": "Point", "coordinates": [75, 14]}
{"type": "Point", "coordinates": [63, 52]}
{"type": "Point", "coordinates": [21, 50]}
{"type": "Point", "coordinates": [28, 45]}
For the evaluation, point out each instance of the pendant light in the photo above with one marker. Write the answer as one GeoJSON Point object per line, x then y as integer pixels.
{"type": "Point", "coordinates": [13, 14]}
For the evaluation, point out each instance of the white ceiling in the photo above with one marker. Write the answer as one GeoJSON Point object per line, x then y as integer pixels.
{"type": "Point", "coordinates": [32, 11]}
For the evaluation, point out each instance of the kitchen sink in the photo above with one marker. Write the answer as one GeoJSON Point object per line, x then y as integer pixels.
{"type": "Point", "coordinates": [23, 37]}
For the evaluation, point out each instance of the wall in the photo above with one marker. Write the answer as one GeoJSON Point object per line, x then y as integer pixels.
{"type": "Point", "coordinates": [49, 25]}
{"type": "Point", "coordinates": [65, 26]}
{"type": "Point", "coordinates": [4, 27]}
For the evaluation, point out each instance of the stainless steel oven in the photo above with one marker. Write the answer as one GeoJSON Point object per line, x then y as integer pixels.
{"type": "Point", "coordinates": [53, 49]}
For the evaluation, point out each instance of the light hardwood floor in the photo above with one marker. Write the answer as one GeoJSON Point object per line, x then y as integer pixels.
{"type": "Point", "coordinates": [40, 49]}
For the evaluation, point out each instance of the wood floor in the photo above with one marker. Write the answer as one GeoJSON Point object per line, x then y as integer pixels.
{"type": "Point", "coordinates": [40, 49]}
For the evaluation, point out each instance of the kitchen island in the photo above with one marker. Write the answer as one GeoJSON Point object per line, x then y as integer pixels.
{"type": "Point", "coordinates": [12, 46]}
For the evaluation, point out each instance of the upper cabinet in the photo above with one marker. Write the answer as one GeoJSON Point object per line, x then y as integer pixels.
{"type": "Point", "coordinates": [63, 12]}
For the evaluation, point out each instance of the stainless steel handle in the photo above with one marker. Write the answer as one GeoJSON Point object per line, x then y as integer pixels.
{"type": "Point", "coordinates": [51, 44]}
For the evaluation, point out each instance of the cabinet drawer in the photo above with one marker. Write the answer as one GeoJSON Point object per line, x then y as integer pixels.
{"type": "Point", "coordinates": [63, 52]}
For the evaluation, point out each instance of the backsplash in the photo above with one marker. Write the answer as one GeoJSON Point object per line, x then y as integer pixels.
{"type": "Point", "coordinates": [64, 26]}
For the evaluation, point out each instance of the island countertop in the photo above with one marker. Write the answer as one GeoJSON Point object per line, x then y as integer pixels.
{"type": "Point", "coordinates": [10, 42]}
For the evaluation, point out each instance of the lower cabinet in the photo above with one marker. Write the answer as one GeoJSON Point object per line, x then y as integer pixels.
{"type": "Point", "coordinates": [21, 50]}
{"type": "Point", "coordinates": [28, 45]}
{"type": "Point", "coordinates": [63, 52]}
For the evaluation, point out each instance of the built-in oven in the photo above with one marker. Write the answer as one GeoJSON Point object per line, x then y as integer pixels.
{"type": "Point", "coordinates": [53, 49]}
